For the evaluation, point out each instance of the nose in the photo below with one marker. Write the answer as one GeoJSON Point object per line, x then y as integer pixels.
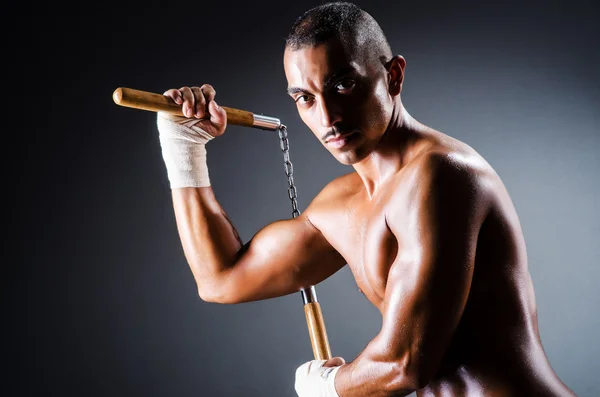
{"type": "Point", "coordinates": [330, 113]}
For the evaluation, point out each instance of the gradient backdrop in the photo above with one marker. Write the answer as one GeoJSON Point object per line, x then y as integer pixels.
{"type": "Point", "coordinates": [98, 299]}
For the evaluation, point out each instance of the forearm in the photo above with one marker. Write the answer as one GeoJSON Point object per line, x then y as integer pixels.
{"type": "Point", "coordinates": [210, 242]}
{"type": "Point", "coordinates": [374, 374]}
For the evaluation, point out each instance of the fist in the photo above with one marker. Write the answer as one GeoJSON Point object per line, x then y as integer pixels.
{"type": "Point", "coordinates": [199, 103]}
{"type": "Point", "coordinates": [316, 378]}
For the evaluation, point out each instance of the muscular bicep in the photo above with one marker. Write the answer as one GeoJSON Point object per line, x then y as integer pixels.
{"type": "Point", "coordinates": [282, 258]}
{"type": "Point", "coordinates": [429, 281]}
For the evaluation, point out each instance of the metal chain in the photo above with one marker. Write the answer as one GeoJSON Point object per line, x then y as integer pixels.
{"type": "Point", "coordinates": [289, 169]}
{"type": "Point", "coordinates": [309, 295]}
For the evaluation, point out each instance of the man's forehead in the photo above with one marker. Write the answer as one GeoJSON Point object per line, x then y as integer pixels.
{"type": "Point", "coordinates": [317, 62]}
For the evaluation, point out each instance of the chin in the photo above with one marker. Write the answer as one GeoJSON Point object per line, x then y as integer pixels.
{"type": "Point", "coordinates": [348, 157]}
{"type": "Point", "coordinates": [345, 160]}
{"type": "Point", "coordinates": [354, 154]}
{"type": "Point", "coordinates": [351, 154]}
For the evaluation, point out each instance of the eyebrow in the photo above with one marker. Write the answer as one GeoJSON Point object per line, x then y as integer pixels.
{"type": "Point", "coordinates": [326, 82]}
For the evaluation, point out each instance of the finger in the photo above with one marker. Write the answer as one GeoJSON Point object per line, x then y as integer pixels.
{"type": "Point", "coordinates": [334, 362]}
{"type": "Point", "coordinates": [209, 92]}
{"type": "Point", "coordinates": [175, 95]}
{"type": "Point", "coordinates": [188, 101]}
{"type": "Point", "coordinates": [218, 116]}
{"type": "Point", "coordinates": [200, 107]}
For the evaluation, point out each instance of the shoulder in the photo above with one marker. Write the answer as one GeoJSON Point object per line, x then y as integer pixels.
{"type": "Point", "coordinates": [442, 168]}
{"type": "Point", "coordinates": [335, 194]}
{"type": "Point", "coordinates": [339, 188]}
{"type": "Point", "coordinates": [444, 179]}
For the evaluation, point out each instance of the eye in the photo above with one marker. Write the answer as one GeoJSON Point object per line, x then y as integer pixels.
{"type": "Point", "coordinates": [345, 85]}
{"type": "Point", "coordinates": [303, 99]}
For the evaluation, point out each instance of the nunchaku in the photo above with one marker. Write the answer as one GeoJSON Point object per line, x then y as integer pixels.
{"type": "Point", "coordinates": [153, 102]}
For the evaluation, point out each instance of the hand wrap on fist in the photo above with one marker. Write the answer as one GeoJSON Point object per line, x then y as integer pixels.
{"type": "Point", "coordinates": [315, 380]}
{"type": "Point", "coordinates": [183, 150]}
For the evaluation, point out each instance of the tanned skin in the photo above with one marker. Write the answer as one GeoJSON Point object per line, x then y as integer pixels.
{"type": "Point", "coordinates": [424, 223]}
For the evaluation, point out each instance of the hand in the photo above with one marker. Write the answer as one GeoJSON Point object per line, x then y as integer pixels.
{"type": "Point", "coordinates": [199, 103]}
{"type": "Point", "coordinates": [316, 378]}
{"type": "Point", "coordinates": [183, 139]}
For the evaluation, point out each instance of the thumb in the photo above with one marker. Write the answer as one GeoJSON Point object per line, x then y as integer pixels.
{"type": "Point", "coordinates": [334, 362]}
{"type": "Point", "coordinates": [218, 116]}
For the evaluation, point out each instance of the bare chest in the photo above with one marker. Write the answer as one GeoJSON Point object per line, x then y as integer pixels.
{"type": "Point", "coordinates": [359, 232]}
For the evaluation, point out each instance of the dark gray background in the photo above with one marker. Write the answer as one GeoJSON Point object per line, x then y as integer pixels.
{"type": "Point", "coordinates": [98, 299]}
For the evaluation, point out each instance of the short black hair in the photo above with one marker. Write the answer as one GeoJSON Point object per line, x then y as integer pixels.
{"type": "Point", "coordinates": [356, 29]}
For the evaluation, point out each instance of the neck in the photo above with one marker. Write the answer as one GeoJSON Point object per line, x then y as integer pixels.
{"type": "Point", "coordinates": [395, 148]}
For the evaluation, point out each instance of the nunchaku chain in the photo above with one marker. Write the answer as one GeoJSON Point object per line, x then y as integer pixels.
{"type": "Point", "coordinates": [289, 169]}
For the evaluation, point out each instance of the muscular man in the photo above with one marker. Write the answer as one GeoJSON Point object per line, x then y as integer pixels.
{"type": "Point", "coordinates": [423, 221]}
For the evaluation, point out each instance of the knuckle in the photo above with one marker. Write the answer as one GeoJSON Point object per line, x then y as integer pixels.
{"type": "Point", "coordinates": [208, 89]}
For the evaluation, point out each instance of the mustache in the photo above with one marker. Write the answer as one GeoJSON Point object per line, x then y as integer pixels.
{"type": "Point", "coordinates": [336, 130]}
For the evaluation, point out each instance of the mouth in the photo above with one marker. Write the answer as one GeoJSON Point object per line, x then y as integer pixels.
{"type": "Point", "coordinates": [339, 141]}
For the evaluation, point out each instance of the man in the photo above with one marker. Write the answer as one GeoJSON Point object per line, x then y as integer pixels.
{"type": "Point", "coordinates": [425, 224]}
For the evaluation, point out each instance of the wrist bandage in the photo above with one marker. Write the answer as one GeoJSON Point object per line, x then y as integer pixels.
{"type": "Point", "coordinates": [183, 150]}
{"type": "Point", "coordinates": [314, 380]}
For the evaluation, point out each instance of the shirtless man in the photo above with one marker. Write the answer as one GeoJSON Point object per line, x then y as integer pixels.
{"type": "Point", "coordinates": [424, 223]}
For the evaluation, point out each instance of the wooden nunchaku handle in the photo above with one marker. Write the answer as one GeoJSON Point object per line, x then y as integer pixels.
{"type": "Point", "coordinates": [317, 331]}
{"type": "Point", "coordinates": [153, 102]}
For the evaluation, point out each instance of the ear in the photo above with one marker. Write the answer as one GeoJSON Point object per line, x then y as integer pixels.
{"type": "Point", "coordinates": [395, 71]}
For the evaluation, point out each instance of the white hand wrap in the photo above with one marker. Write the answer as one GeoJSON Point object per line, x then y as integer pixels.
{"type": "Point", "coordinates": [314, 380]}
{"type": "Point", "coordinates": [183, 150]}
